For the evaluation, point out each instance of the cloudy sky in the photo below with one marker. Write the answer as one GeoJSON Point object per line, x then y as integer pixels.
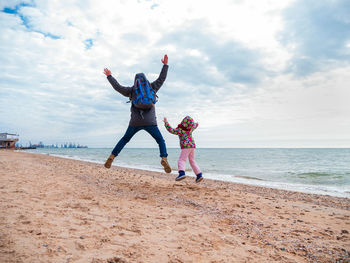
{"type": "Point", "coordinates": [266, 73]}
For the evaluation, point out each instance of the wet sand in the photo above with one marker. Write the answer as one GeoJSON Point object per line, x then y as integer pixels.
{"type": "Point", "coordinates": [60, 210]}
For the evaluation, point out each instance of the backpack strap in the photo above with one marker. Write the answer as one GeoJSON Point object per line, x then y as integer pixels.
{"type": "Point", "coordinates": [140, 95]}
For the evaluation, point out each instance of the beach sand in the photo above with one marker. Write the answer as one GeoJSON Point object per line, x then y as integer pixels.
{"type": "Point", "coordinates": [60, 210]}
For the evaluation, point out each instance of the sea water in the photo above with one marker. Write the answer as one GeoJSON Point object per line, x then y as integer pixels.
{"type": "Point", "coordinates": [321, 171]}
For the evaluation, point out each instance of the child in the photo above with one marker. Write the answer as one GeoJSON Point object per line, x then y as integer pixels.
{"type": "Point", "coordinates": [184, 131]}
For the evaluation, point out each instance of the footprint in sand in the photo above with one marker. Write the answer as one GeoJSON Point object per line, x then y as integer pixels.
{"type": "Point", "coordinates": [180, 229]}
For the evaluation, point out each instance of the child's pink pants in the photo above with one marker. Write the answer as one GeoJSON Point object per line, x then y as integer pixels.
{"type": "Point", "coordinates": [188, 153]}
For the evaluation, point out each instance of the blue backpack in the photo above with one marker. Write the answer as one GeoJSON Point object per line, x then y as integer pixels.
{"type": "Point", "coordinates": [143, 96]}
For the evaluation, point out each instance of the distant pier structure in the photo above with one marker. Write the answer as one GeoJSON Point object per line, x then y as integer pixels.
{"type": "Point", "coordinates": [8, 140]}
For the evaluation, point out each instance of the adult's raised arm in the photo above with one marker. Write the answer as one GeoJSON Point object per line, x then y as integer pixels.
{"type": "Point", "coordinates": [165, 59]}
{"type": "Point", "coordinates": [126, 91]}
{"type": "Point", "coordinates": [162, 76]}
{"type": "Point", "coordinates": [107, 72]}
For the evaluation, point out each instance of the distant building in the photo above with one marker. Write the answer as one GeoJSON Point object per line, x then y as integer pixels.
{"type": "Point", "coordinates": [8, 140]}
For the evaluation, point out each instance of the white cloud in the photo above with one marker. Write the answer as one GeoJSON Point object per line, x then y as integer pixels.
{"type": "Point", "coordinates": [227, 70]}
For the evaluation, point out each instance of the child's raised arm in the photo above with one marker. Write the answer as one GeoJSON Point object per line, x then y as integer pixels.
{"type": "Point", "coordinates": [195, 126]}
{"type": "Point", "coordinates": [169, 128]}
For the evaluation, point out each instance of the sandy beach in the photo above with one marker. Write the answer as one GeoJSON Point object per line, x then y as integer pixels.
{"type": "Point", "coordinates": [60, 210]}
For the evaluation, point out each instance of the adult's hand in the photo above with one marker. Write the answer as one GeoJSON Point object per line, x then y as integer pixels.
{"type": "Point", "coordinates": [165, 59]}
{"type": "Point", "coordinates": [107, 72]}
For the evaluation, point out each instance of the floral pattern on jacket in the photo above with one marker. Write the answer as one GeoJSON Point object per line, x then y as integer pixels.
{"type": "Point", "coordinates": [185, 135]}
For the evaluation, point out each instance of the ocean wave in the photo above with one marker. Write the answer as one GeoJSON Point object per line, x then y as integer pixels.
{"type": "Point", "coordinates": [249, 177]}
{"type": "Point", "coordinates": [318, 174]}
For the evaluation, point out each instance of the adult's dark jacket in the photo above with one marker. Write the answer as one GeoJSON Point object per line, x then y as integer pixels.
{"type": "Point", "coordinates": [148, 117]}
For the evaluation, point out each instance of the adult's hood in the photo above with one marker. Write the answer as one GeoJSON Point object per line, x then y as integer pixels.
{"type": "Point", "coordinates": [141, 77]}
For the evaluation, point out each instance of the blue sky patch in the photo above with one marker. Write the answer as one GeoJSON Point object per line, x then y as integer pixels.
{"type": "Point", "coordinates": [88, 43]}
{"type": "Point", "coordinates": [49, 35]}
{"type": "Point", "coordinates": [154, 6]}
{"type": "Point", "coordinates": [14, 10]}
{"type": "Point", "coordinates": [25, 21]}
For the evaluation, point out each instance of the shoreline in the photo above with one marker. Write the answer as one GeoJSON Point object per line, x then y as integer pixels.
{"type": "Point", "coordinates": [294, 187]}
{"type": "Point", "coordinates": [54, 209]}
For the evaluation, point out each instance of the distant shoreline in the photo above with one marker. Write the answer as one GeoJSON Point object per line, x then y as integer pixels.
{"type": "Point", "coordinates": [175, 172]}
{"type": "Point", "coordinates": [247, 179]}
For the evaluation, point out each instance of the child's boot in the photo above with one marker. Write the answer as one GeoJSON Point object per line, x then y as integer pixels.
{"type": "Point", "coordinates": [165, 164]}
{"type": "Point", "coordinates": [199, 178]}
{"type": "Point", "coordinates": [181, 176]}
{"type": "Point", "coordinates": [109, 161]}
